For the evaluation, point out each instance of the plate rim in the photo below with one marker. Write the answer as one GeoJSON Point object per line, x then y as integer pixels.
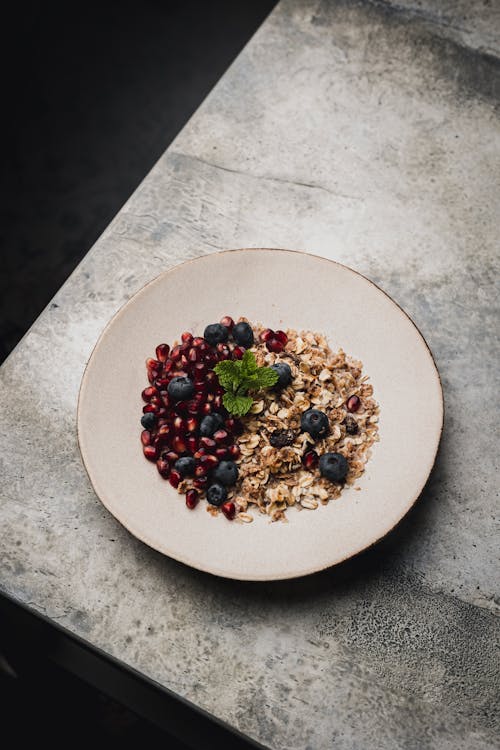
{"type": "Point", "coordinates": [240, 577]}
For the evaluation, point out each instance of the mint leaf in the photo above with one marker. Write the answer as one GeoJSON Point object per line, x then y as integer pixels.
{"type": "Point", "coordinates": [237, 405]}
{"type": "Point", "coordinates": [228, 373]}
{"type": "Point", "coordinates": [248, 364]}
{"type": "Point", "coordinates": [266, 377]}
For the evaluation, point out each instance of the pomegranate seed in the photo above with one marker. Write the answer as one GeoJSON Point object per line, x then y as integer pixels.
{"type": "Point", "coordinates": [146, 437]}
{"type": "Point", "coordinates": [199, 372]}
{"type": "Point", "coordinates": [234, 452]}
{"type": "Point", "coordinates": [199, 453]}
{"type": "Point", "coordinates": [163, 468]}
{"type": "Point", "coordinates": [184, 362]}
{"type": "Point", "coordinates": [176, 354]}
{"type": "Point", "coordinates": [164, 433]}
{"type": "Point", "coordinates": [310, 459]}
{"type": "Point", "coordinates": [223, 351]}
{"type": "Point", "coordinates": [221, 453]}
{"type": "Point", "coordinates": [156, 401]}
{"type": "Point", "coordinates": [281, 336]}
{"type": "Point", "coordinates": [211, 359]}
{"type": "Point", "coordinates": [162, 421]}
{"type": "Point", "coordinates": [210, 397]}
{"type": "Point", "coordinates": [200, 482]}
{"type": "Point", "coordinates": [171, 457]}
{"type": "Point", "coordinates": [162, 383]}
{"type": "Point", "coordinates": [208, 443]}
{"type": "Point", "coordinates": [180, 374]}
{"type": "Point", "coordinates": [161, 411]}
{"type": "Point", "coordinates": [192, 499]}
{"type": "Point", "coordinates": [230, 422]}
{"type": "Point", "coordinates": [179, 444]}
{"type": "Point", "coordinates": [150, 452]}
{"type": "Point", "coordinates": [227, 322]}
{"type": "Point", "coordinates": [217, 402]}
{"type": "Point", "coordinates": [229, 510]}
{"type": "Point", "coordinates": [148, 393]}
{"type": "Point", "coordinates": [152, 364]}
{"type": "Point", "coordinates": [200, 471]}
{"type": "Point", "coordinates": [205, 408]}
{"type": "Point", "coordinates": [150, 408]}
{"type": "Point", "coordinates": [211, 379]}
{"type": "Point", "coordinates": [353, 403]}
{"type": "Point", "coordinates": [193, 407]}
{"type": "Point", "coordinates": [174, 478]}
{"type": "Point", "coordinates": [191, 424]}
{"type": "Point", "coordinates": [192, 443]}
{"type": "Point", "coordinates": [201, 389]}
{"type": "Point", "coordinates": [221, 436]}
{"type": "Point", "coordinates": [274, 345]}
{"type": "Point", "coordinates": [162, 351]}
{"type": "Point", "coordinates": [209, 461]}
{"type": "Point", "coordinates": [169, 366]}
{"type": "Point", "coordinates": [193, 355]}
{"type": "Point", "coordinates": [181, 407]}
{"type": "Point", "coordinates": [238, 352]}
{"type": "Point", "coordinates": [179, 426]}
{"type": "Point", "coordinates": [165, 399]}
{"type": "Point", "coordinates": [267, 334]}
{"type": "Point", "coordinates": [198, 341]}
{"type": "Point", "coordinates": [187, 338]}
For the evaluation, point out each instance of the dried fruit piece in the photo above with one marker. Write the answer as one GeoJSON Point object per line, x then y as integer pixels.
{"type": "Point", "coordinates": [280, 438]}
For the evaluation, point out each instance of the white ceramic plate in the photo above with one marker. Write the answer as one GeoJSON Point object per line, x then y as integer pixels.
{"type": "Point", "coordinates": [279, 289]}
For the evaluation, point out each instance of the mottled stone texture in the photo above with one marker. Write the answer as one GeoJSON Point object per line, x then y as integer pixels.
{"type": "Point", "coordinates": [364, 132]}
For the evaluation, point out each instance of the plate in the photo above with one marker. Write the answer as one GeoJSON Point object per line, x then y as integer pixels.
{"type": "Point", "coordinates": [280, 289]}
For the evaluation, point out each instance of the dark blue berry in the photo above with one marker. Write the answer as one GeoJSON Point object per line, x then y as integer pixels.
{"type": "Point", "coordinates": [314, 422]}
{"type": "Point", "coordinates": [216, 494]}
{"type": "Point", "coordinates": [148, 421]}
{"type": "Point", "coordinates": [225, 473]}
{"type": "Point", "coordinates": [181, 388]}
{"type": "Point", "coordinates": [333, 466]}
{"type": "Point", "coordinates": [216, 334]}
{"type": "Point", "coordinates": [210, 424]}
{"type": "Point", "coordinates": [243, 335]}
{"type": "Point", "coordinates": [284, 374]}
{"type": "Point", "coordinates": [185, 466]}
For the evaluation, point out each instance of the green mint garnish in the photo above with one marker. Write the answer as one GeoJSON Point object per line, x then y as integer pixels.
{"type": "Point", "coordinates": [238, 377]}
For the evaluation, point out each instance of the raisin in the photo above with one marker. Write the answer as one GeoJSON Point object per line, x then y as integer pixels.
{"type": "Point", "coordinates": [280, 438]}
{"type": "Point", "coordinates": [351, 426]}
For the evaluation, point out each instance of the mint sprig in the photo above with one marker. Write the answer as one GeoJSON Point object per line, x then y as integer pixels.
{"type": "Point", "coordinates": [238, 377]}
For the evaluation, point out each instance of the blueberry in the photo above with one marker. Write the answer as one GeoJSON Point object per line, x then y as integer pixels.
{"type": "Point", "coordinates": [243, 335]}
{"type": "Point", "coordinates": [181, 388]}
{"type": "Point", "coordinates": [148, 420]}
{"type": "Point", "coordinates": [185, 466]}
{"type": "Point", "coordinates": [284, 374]}
{"type": "Point", "coordinates": [226, 473]}
{"type": "Point", "coordinates": [333, 466]}
{"type": "Point", "coordinates": [216, 494]}
{"type": "Point", "coordinates": [216, 334]}
{"type": "Point", "coordinates": [210, 424]}
{"type": "Point", "coordinates": [314, 422]}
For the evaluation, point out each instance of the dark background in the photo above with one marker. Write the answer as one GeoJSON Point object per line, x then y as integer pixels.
{"type": "Point", "coordinates": [92, 94]}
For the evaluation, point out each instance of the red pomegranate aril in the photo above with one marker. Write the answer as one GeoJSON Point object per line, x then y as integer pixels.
{"type": "Point", "coordinates": [281, 336]}
{"type": "Point", "coordinates": [274, 345]}
{"type": "Point", "coordinates": [200, 482]}
{"type": "Point", "coordinates": [310, 459]}
{"type": "Point", "coordinates": [169, 366]}
{"type": "Point", "coordinates": [179, 444]}
{"type": "Point", "coordinates": [164, 432]}
{"type": "Point", "coordinates": [156, 401]}
{"type": "Point", "coordinates": [162, 412]}
{"type": "Point", "coordinates": [267, 334]}
{"type": "Point", "coordinates": [234, 452]}
{"type": "Point", "coordinates": [210, 397]}
{"type": "Point", "coordinates": [151, 452]}
{"type": "Point", "coordinates": [204, 347]}
{"type": "Point", "coordinates": [187, 338]}
{"type": "Point", "coordinates": [205, 408]}
{"type": "Point", "coordinates": [148, 393]}
{"type": "Point", "coordinates": [175, 354]}
{"type": "Point", "coordinates": [162, 351]}
{"type": "Point", "coordinates": [221, 453]}
{"type": "Point", "coordinates": [198, 341]}
{"type": "Point", "coordinates": [199, 453]}
{"type": "Point", "coordinates": [171, 457]}
{"type": "Point", "coordinates": [146, 437]}
{"type": "Point", "coordinates": [181, 407]}
{"type": "Point", "coordinates": [153, 364]}
{"type": "Point", "coordinates": [200, 389]}
{"type": "Point", "coordinates": [180, 373]}
{"type": "Point", "coordinates": [179, 426]}
{"type": "Point", "coordinates": [191, 424]}
{"type": "Point", "coordinates": [209, 461]}
{"type": "Point", "coordinates": [163, 468]}
{"type": "Point", "coordinates": [165, 399]}
{"type": "Point", "coordinates": [238, 352]}
{"type": "Point", "coordinates": [194, 406]}
{"type": "Point", "coordinates": [353, 403]}
{"type": "Point", "coordinates": [184, 361]}
{"type": "Point", "coordinates": [162, 383]}
{"type": "Point", "coordinates": [192, 443]}
{"type": "Point", "coordinates": [150, 408]}
{"type": "Point", "coordinates": [227, 322]}
{"type": "Point", "coordinates": [193, 355]}
{"type": "Point", "coordinates": [223, 351]}
{"type": "Point", "coordinates": [229, 510]}
{"type": "Point", "coordinates": [221, 436]}
{"type": "Point", "coordinates": [200, 471]}
{"type": "Point", "coordinates": [211, 379]}
{"type": "Point", "coordinates": [199, 372]}
{"type": "Point", "coordinates": [192, 498]}
{"type": "Point", "coordinates": [174, 478]}
{"type": "Point", "coordinates": [211, 359]}
{"type": "Point", "coordinates": [217, 403]}
{"type": "Point", "coordinates": [208, 443]}
{"type": "Point", "coordinates": [162, 421]}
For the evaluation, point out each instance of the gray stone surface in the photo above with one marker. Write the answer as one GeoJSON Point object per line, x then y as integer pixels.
{"type": "Point", "coordinates": [366, 132]}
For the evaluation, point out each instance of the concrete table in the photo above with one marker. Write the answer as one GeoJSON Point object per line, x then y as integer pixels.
{"type": "Point", "coordinates": [364, 132]}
